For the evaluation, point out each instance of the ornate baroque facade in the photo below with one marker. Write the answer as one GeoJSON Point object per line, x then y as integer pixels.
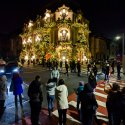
{"type": "Point", "coordinates": [62, 35]}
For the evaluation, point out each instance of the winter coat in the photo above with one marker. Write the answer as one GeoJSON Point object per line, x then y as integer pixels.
{"type": "Point", "coordinates": [107, 70]}
{"type": "Point", "coordinates": [88, 102]}
{"type": "Point", "coordinates": [35, 91]}
{"type": "Point", "coordinates": [92, 81]}
{"type": "Point", "coordinates": [62, 97]}
{"type": "Point", "coordinates": [50, 87]}
{"type": "Point", "coordinates": [17, 86]}
{"type": "Point", "coordinates": [3, 87]}
{"type": "Point", "coordinates": [113, 100]}
{"type": "Point", "coordinates": [55, 74]}
{"type": "Point", "coordinates": [123, 106]}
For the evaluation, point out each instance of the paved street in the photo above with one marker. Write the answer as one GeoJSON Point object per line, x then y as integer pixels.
{"type": "Point", "coordinates": [72, 80]}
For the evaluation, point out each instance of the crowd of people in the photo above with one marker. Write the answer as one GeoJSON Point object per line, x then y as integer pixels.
{"type": "Point", "coordinates": [57, 90]}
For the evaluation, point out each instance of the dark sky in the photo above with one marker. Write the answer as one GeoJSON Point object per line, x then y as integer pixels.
{"type": "Point", "coordinates": [106, 17]}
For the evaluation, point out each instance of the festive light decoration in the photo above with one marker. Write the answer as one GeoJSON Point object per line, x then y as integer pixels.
{"type": "Point", "coordinates": [61, 35]}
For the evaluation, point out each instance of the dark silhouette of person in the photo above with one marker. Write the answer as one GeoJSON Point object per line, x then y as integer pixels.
{"type": "Point", "coordinates": [36, 98]}
{"type": "Point", "coordinates": [88, 105]}
{"type": "Point", "coordinates": [118, 70]}
{"type": "Point", "coordinates": [78, 68]}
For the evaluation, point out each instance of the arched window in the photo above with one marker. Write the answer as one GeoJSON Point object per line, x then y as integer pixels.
{"type": "Point", "coordinates": [64, 35]}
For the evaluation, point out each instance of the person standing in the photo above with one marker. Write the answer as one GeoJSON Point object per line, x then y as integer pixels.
{"type": "Point", "coordinates": [113, 103]}
{"type": "Point", "coordinates": [67, 67]}
{"type": "Point", "coordinates": [79, 68]}
{"type": "Point", "coordinates": [36, 98]}
{"type": "Point", "coordinates": [3, 89]}
{"type": "Point", "coordinates": [61, 65]}
{"type": "Point", "coordinates": [107, 72]}
{"type": "Point", "coordinates": [92, 80]}
{"type": "Point", "coordinates": [113, 65]}
{"type": "Point", "coordinates": [118, 70]}
{"type": "Point", "coordinates": [50, 88]}
{"type": "Point", "coordinates": [62, 101]}
{"type": "Point", "coordinates": [94, 70]}
{"type": "Point", "coordinates": [123, 105]}
{"type": "Point", "coordinates": [55, 74]}
{"type": "Point", "coordinates": [78, 91]}
{"type": "Point", "coordinates": [17, 91]}
{"type": "Point", "coordinates": [88, 105]}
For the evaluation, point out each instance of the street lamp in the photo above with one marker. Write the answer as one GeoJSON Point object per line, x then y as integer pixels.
{"type": "Point", "coordinates": [123, 54]}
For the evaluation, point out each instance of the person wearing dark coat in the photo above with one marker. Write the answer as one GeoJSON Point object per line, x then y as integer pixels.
{"type": "Point", "coordinates": [88, 105]}
{"type": "Point", "coordinates": [79, 68]}
{"type": "Point", "coordinates": [113, 103]}
{"type": "Point", "coordinates": [17, 91]}
{"type": "Point", "coordinates": [107, 72]}
{"type": "Point", "coordinates": [92, 80]}
{"type": "Point", "coordinates": [113, 65]}
{"type": "Point", "coordinates": [36, 98]}
{"type": "Point", "coordinates": [118, 70]}
{"type": "Point", "coordinates": [123, 105]}
{"type": "Point", "coordinates": [67, 67]}
{"type": "Point", "coordinates": [94, 70]}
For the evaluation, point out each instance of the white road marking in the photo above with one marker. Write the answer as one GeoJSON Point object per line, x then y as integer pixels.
{"type": "Point", "coordinates": [100, 94]}
{"type": "Point", "coordinates": [101, 116]}
{"type": "Point", "coordinates": [68, 117]}
{"type": "Point", "coordinates": [100, 103]}
{"type": "Point", "coordinates": [99, 88]}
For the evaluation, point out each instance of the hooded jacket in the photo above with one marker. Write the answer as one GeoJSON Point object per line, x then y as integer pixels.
{"type": "Point", "coordinates": [61, 97]}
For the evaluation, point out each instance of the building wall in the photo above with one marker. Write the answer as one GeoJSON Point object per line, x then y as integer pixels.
{"type": "Point", "coordinates": [98, 47]}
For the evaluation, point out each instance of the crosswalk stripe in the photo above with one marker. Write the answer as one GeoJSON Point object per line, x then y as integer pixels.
{"type": "Point", "coordinates": [100, 94]}
{"type": "Point", "coordinates": [72, 103]}
{"type": "Point", "coordinates": [100, 97]}
{"type": "Point", "coordinates": [118, 83]}
{"type": "Point", "coordinates": [101, 116]}
{"type": "Point", "coordinates": [100, 103]}
{"type": "Point", "coordinates": [99, 88]}
{"type": "Point", "coordinates": [68, 117]}
{"type": "Point", "coordinates": [101, 84]}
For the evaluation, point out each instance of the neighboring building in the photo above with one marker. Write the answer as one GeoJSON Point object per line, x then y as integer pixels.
{"type": "Point", "coordinates": [4, 45]}
{"type": "Point", "coordinates": [15, 46]}
{"type": "Point", "coordinates": [99, 47]}
{"type": "Point", "coordinates": [10, 46]}
{"type": "Point", "coordinates": [116, 49]}
{"type": "Point", "coordinates": [61, 35]}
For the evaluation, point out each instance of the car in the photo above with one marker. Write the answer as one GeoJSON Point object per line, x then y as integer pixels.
{"type": "Point", "coordinates": [13, 67]}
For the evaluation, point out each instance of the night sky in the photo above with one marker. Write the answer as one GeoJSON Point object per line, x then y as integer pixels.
{"type": "Point", "coordinates": [107, 17]}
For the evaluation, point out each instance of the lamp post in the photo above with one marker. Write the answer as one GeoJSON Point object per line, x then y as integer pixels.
{"type": "Point", "coordinates": [123, 48]}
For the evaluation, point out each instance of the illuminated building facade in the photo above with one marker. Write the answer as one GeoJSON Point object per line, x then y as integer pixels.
{"type": "Point", "coordinates": [62, 35]}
